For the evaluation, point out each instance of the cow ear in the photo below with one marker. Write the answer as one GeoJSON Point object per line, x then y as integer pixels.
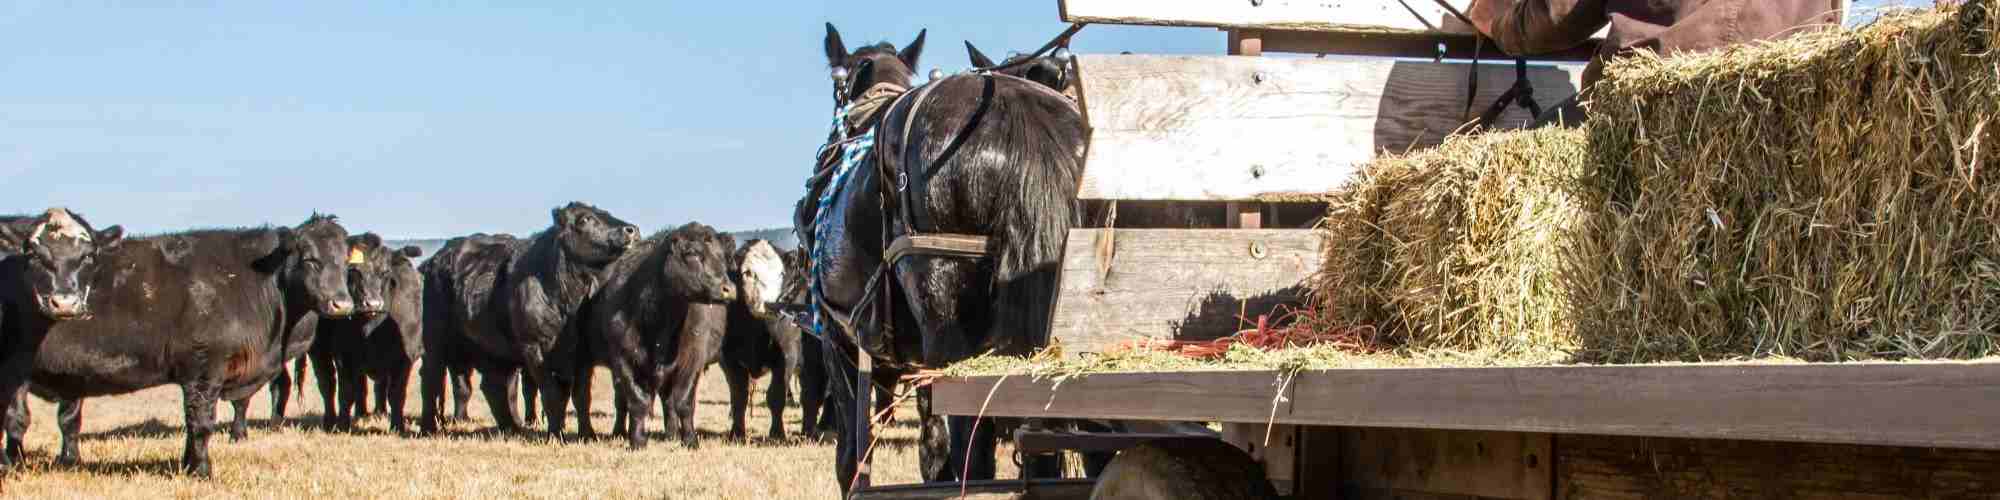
{"type": "Point", "coordinates": [910, 54]}
{"type": "Point", "coordinates": [556, 214]}
{"type": "Point", "coordinates": [109, 237]}
{"type": "Point", "coordinates": [979, 59]}
{"type": "Point", "coordinates": [836, 50]}
{"type": "Point", "coordinates": [412, 251]}
{"type": "Point", "coordinates": [16, 233]}
{"type": "Point", "coordinates": [275, 255]}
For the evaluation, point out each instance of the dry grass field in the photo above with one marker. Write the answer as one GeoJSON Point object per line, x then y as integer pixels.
{"type": "Point", "coordinates": [133, 442]}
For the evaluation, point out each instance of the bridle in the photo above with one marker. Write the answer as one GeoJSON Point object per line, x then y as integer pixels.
{"type": "Point", "coordinates": [905, 188]}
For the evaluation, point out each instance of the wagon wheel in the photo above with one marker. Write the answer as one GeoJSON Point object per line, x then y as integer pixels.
{"type": "Point", "coordinates": [1185, 470]}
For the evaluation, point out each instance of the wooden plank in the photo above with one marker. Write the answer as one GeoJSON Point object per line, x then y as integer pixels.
{"type": "Point", "coordinates": [1636, 467]}
{"type": "Point", "coordinates": [1222, 128]}
{"type": "Point", "coordinates": [1414, 45]}
{"type": "Point", "coordinates": [1471, 463]}
{"type": "Point", "coordinates": [1010, 489]}
{"type": "Point", "coordinates": [1213, 397]}
{"type": "Point", "coordinates": [1176, 283]}
{"type": "Point", "coordinates": [1294, 15]}
{"type": "Point", "coordinates": [1246, 43]}
{"type": "Point", "coordinates": [1940, 405]}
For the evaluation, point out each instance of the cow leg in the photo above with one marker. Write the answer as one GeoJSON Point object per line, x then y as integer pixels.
{"type": "Point", "coordinates": [431, 391]}
{"type": "Point", "coordinates": [18, 418]}
{"type": "Point", "coordinates": [634, 401]}
{"type": "Point", "coordinates": [198, 402]}
{"type": "Point", "coordinates": [239, 428]}
{"type": "Point", "coordinates": [555, 402]}
{"type": "Point", "coordinates": [327, 376]}
{"type": "Point", "coordinates": [580, 398]}
{"type": "Point", "coordinates": [680, 403]}
{"type": "Point", "coordinates": [461, 393]}
{"type": "Point", "coordinates": [498, 385]}
{"type": "Point", "coordinates": [394, 390]}
{"type": "Point", "coordinates": [739, 399]}
{"type": "Point", "coordinates": [775, 397]}
{"type": "Point", "coordinates": [69, 420]}
{"type": "Point", "coordinates": [281, 393]}
{"type": "Point", "coordinates": [812, 388]}
{"type": "Point", "coordinates": [350, 390]}
{"type": "Point", "coordinates": [528, 393]}
{"type": "Point", "coordinates": [360, 404]}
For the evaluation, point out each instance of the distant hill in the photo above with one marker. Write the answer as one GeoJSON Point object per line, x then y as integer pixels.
{"type": "Point", "coordinates": [780, 237]}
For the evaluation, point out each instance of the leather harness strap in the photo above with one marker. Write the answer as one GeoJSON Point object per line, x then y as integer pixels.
{"type": "Point", "coordinates": [936, 245]}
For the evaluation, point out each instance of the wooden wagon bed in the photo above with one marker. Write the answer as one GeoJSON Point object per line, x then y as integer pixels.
{"type": "Point", "coordinates": [1887, 430]}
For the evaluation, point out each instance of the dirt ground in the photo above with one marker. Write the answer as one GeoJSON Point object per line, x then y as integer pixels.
{"type": "Point", "coordinates": [132, 444]}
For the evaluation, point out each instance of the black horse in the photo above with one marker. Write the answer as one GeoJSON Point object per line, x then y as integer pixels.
{"type": "Point", "coordinates": [1052, 71]}
{"type": "Point", "coordinates": [974, 154]}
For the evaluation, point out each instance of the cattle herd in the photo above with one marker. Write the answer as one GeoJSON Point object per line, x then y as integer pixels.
{"type": "Point", "coordinates": [222, 313]}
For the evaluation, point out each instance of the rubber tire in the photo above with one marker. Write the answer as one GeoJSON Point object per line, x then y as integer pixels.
{"type": "Point", "coordinates": [1184, 470]}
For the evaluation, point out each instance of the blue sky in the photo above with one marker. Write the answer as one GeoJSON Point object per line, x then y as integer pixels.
{"type": "Point", "coordinates": [444, 120]}
{"type": "Point", "coordinates": [451, 117]}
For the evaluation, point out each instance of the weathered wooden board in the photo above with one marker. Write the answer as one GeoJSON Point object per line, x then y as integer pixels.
{"type": "Point", "coordinates": [1011, 489]}
{"type": "Point", "coordinates": [1940, 405]}
{"type": "Point", "coordinates": [1295, 15]}
{"type": "Point", "coordinates": [1225, 128]}
{"type": "Point", "coordinates": [1471, 463]}
{"type": "Point", "coordinates": [1637, 468]}
{"type": "Point", "coordinates": [1211, 397]}
{"type": "Point", "coordinates": [1125, 284]}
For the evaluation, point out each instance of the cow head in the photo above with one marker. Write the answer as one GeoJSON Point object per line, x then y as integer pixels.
{"type": "Point", "coordinates": [591, 235]}
{"type": "Point", "coordinates": [313, 261]}
{"type": "Point", "coordinates": [758, 272]}
{"type": "Point", "coordinates": [696, 264]}
{"type": "Point", "coordinates": [368, 273]}
{"type": "Point", "coordinates": [61, 251]}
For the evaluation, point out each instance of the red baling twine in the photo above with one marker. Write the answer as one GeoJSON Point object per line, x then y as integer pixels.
{"type": "Point", "coordinates": [1301, 328]}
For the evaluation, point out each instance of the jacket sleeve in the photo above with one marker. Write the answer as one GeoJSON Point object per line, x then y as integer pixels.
{"type": "Point", "coordinates": [1529, 27]}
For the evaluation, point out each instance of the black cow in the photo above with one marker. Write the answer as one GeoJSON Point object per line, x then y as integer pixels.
{"type": "Point", "coordinates": [658, 322]}
{"type": "Point", "coordinates": [217, 312]}
{"type": "Point", "coordinates": [759, 341]}
{"type": "Point", "coordinates": [502, 305]}
{"type": "Point", "coordinates": [45, 265]}
{"type": "Point", "coordinates": [380, 343]}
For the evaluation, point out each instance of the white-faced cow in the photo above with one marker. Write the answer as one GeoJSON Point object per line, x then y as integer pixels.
{"type": "Point", "coordinates": [45, 265]}
{"type": "Point", "coordinates": [759, 341]}
{"type": "Point", "coordinates": [216, 312]}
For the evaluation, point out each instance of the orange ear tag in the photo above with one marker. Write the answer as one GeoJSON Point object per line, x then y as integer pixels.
{"type": "Point", "coordinates": [354, 256]}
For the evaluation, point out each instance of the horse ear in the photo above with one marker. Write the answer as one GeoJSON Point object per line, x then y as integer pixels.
{"type": "Point", "coordinates": [836, 50]}
{"type": "Point", "coordinates": [979, 60]}
{"type": "Point", "coordinates": [915, 50]}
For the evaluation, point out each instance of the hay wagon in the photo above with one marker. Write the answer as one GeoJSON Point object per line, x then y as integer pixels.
{"type": "Point", "coordinates": [1209, 173]}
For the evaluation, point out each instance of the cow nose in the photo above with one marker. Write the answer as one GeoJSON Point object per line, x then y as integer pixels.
{"type": "Point", "coordinates": [728, 292]}
{"type": "Point", "coordinates": [631, 233]}
{"type": "Point", "coordinates": [66, 304]}
{"type": "Point", "coordinates": [341, 307]}
{"type": "Point", "coordinates": [371, 305]}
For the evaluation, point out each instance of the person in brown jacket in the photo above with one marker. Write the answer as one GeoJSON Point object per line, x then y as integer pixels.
{"type": "Point", "coordinates": [1530, 27]}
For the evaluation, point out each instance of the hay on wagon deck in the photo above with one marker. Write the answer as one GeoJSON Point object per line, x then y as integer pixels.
{"type": "Point", "coordinates": [1819, 197]}
{"type": "Point", "coordinates": [1457, 247]}
{"type": "Point", "coordinates": [1828, 197]}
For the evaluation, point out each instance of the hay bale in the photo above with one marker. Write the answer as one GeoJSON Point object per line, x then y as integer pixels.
{"type": "Point", "coordinates": [1829, 197]}
{"type": "Point", "coordinates": [1454, 247]}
